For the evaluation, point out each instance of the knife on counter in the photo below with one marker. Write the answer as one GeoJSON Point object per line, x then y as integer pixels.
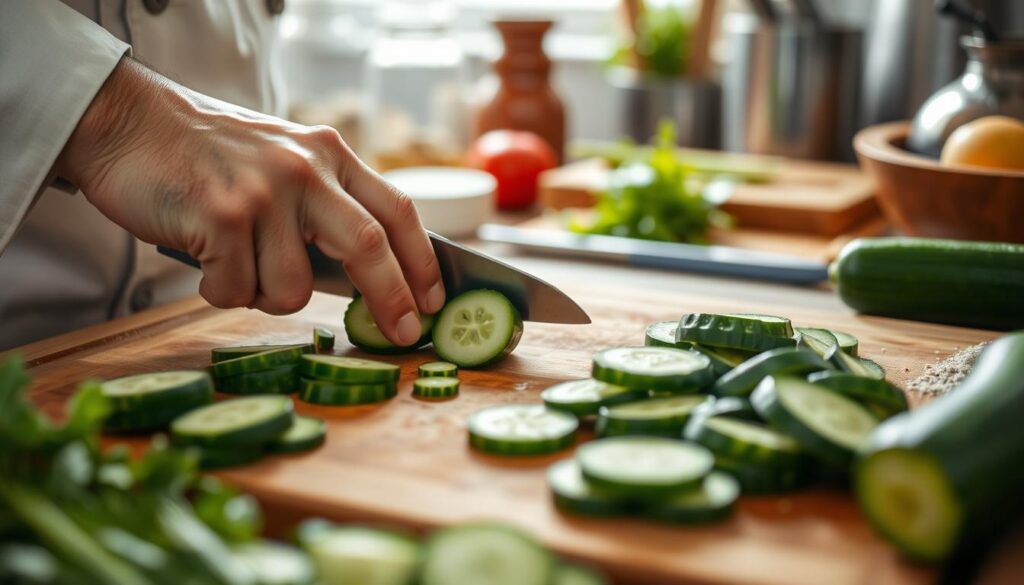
{"type": "Point", "coordinates": [719, 260]}
{"type": "Point", "coordinates": [462, 269]}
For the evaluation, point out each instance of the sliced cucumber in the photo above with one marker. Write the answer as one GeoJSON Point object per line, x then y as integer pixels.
{"type": "Point", "coordinates": [476, 328]}
{"type": "Point", "coordinates": [879, 396]}
{"type": "Point", "coordinates": [784, 360]}
{"type": "Point", "coordinates": [858, 366]}
{"type": "Point", "coordinates": [827, 424]}
{"type": "Point", "coordinates": [521, 429]}
{"type": "Point", "coordinates": [148, 401]}
{"type": "Point", "coordinates": [479, 554]}
{"type": "Point", "coordinates": [644, 467]}
{"type": "Point", "coordinates": [306, 433]}
{"type": "Point", "coordinates": [736, 330]}
{"type": "Point", "coordinates": [279, 380]}
{"type": "Point", "coordinates": [713, 500]}
{"type": "Point", "coordinates": [575, 495]}
{"type": "Point", "coordinates": [435, 387]}
{"type": "Point", "coordinates": [746, 442]}
{"type": "Point", "coordinates": [584, 397]}
{"type": "Point", "coordinates": [663, 334]}
{"type": "Point", "coordinates": [820, 341]}
{"type": "Point", "coordinates": [328, 393]}
{"type": "Point", "coordinates": [847, 342]}
{"type": "Point", "coordinates": [271, 563]}
{"type": "Point", "coordinates": [577, 575]}
{"type": "Point", "coordinates": [257, 362]}
{"type": "Point", "coordinates": [220, 354]}
{"type": "Point", "coordinates": [653, 368]}
{"type": "Point", "coordinates": [213, 458]}
{"type": "Point", "coordinates": [755, 479]}
{"type": "Point", "coordinates": [323, 339]}
{"type": "Point", "coordinates": [348, 370]}
{"type": "Point", "coordinates": [657, 416]}
{"type": "Point", "coordinates": [353, 555]}
{"type": "Point", "coordinates": [726, 406]}
{"type": "Point", "coordinates": [363, 332]}
{"type": "Point", "coordinates": [249, 421]}
{"type": "Point", "coordinates": [438, 369]}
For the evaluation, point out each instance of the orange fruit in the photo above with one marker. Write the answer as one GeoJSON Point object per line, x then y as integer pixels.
{"type": "Point", "coordinates": [995, 142]}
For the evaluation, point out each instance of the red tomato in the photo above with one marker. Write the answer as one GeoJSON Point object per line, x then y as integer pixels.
{"type": "Point", "coordinates": [515, 158]}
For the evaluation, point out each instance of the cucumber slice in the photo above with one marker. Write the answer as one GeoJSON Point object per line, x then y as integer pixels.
{"type": "Point", "coordinates": [726, 406]}
{"type": "Point", "coordinates": [713, 500]}
{"type": "Point", "coordinates": [306, 433]}
{"type": "Point", "coordinates": [352, 555]}
{"type": "Point", "coordinates": [148, 401]}
{"type": "Point", "coordinates": [820, 341]}
{"type": "Point", "coordinates": [784, 360]}
{"type": "Point", "coordinates": [857, 366]}
{"type": "Point", "coordinates": [577, 575]}
{"type": "Point", "coordinates": [653, 368]}
{"type": "Point", "coordinates": [478, 554]}
{"type": "Point", "coordinates": [279, 380]}
{"type": "Point", "coordinates": [363, 332]}
{"type": "Point", "coordinates": [827, 424]}
{"type": "Point", "coordinates": [644, 467]}
{"type": "Point", "coordinates": [256, 362]}
{"type": "Point", "coordinates": [575, 495]}
{"type": "Point", "coordinates": [663, 334]}
{"type": "Point", "coordinates": [328, 393]}
{"type": "Point", "coordinates": [348, 370]}
{"type": "Point", "coordinates": [847, 342]}
{"type": "Point", "coordinates": [323, 339]}
{"type": "Point", "coordinates": [213, 458]}
{"type": "Point", "coordinates": [476, 328]}
{"type": "Point", "coordinates": [438, 369]}
{"type": "Point", "coordinates": [584, 397]}
{"type": "Point", "coordinates": [220, 354]}
{"type": "Point", "coordinates": [736, 331]}
{"type": "Point", "coordinates": [755, 479]}
{"type": "Point", "coordinates": [879, 396]}
{"type": "Point", "coordinates": [657, 416]}
{"type": "Point", "coordinates": [747, 443]}
{"type": "Point", "coordinates": [435, 387]}
{"type": "Point", "coordinates": [521, 429]}
{"type": "Point", "coordinates": [249, 421]}
{"type": "Point", "coordinates": [271, 563]}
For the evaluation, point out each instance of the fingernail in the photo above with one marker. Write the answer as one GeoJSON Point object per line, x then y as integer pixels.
{"type": "Point", "coordinates": [435, 298]}
{"type": "Point", "coordinates": [409, 329]}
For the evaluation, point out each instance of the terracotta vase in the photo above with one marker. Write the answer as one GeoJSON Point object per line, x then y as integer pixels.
{"type": "Point", "coordinates": [524, 99]}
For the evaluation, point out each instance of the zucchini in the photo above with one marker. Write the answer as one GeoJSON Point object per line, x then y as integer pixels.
{"type": "Point", "coordinates": [574, 494]}
{"type": "Point", "coordinates": [521, 429]}
{"type": "Point", "coordinates": [644, 467]}
{"type": "Point", "coordinates": [663, 417]}
{"type": "Point", "coordinates": [585, 397]}
{"type": "Point", "coordinates": [784, 360]}
{"type": "Point", "coordinates": [477, 328]}
{"type": "Point", "coordinates": [653, 368]}
{"type": "Point", "coordinates": [435, 387]}
{"type": "Point", "coordinates": [951, 471]}
{"type": "Point", "coordinates": [742, 331]}
{"type": "Point", "coordinates": [976, 284]}
{"type": "Point", "coordinates": [362, 330]}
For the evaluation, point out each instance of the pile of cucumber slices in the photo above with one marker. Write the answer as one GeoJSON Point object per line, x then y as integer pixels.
{"type": "Point", "coordinates": [711, 406]}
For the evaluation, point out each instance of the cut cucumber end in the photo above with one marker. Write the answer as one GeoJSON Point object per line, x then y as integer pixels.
{"type": "Point", "coordinates": [477, 328]}
{"type": "Point", "coordinates": [910, 500]}
{"type": "Point", "coordinates": [362, 330]}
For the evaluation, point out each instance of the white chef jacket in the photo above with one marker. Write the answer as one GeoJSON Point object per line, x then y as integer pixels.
{"type": "Point", "coordinates": [63, 265]}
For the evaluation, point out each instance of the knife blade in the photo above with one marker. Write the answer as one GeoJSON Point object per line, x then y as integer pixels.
{"type": "Point", "coordinates": [720, 260]}
{"type": "Point", "coordinates": [462, 269]}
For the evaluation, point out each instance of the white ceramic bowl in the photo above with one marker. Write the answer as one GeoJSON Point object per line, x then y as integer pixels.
{"type": "Point", "coordinates": [451, 201]}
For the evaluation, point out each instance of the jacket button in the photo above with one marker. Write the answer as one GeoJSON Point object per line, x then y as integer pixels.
{"type": "Point", "coordinates": [275, 7]}
{"type": "Point", "coordinates": [142, 296]}
{"type": "Point", "coordinates": [155, 6]}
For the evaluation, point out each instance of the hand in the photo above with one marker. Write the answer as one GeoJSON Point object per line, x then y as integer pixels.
{"type": "Point", "coordinates": [243, 193]}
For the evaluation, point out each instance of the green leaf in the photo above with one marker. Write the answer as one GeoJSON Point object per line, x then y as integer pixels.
{"type": "Point", "coordinates": [86, 411]}
{"type": "Point", "coordinates": [232, 514]}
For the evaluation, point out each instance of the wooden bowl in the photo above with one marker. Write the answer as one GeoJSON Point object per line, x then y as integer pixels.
{"type": "Point", "coordinates": [924, 198]}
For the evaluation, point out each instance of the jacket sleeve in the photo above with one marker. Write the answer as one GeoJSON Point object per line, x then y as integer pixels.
{"type": "Point", "coordinates": [53, 60]}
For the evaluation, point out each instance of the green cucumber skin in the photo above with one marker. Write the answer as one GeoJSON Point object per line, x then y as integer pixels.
{"type": "Point", "coordinates": [879, 396]}
{"type": "Point", "coordinates": [220, 354]}
{"type": "Point", "coordinates": [280, 380]}
{"type": "Point", "coordinates": [345, 375]}
{"type": "Point", "coordinates": [732, 449]}
{"type": "Point", "coordinates": [507, 448]}
{"type": "Point", "coordinates": [247, 437]}
{"type": "Point", "coordinates": [146, 421]}
{"type": "Point", "coordinates": [743, 332]}
{"type": "Point", "coordinates": [975, 284]}
{"type": "Point", "coordinates": [450, 390]}
{"type": "Point", "coordinates": [382, 346]}
{"type": "Point", "coordinates": [211, 459]}
{"type": "Point", "coordinates": [727, 406]}
{"type": "Point", "coordinates": [258, 361]}
{"type": "Point", "coordinates": [984, 412]}
{"type": "Point", "coordinates": [663, 334]}
{"type": "Point", "coordinates": [665, 511]}
{"type": "Point", "coordinates": [689, 383]}
{"type": "Point", "coordinates": [784, 360]}
{"type": "Point", "coordinates": [329, 393]}
{"type": "Point", "coordinates": [755, 479]}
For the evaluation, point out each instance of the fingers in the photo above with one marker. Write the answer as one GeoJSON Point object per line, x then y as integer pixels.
{"type": "Point", "coordinates": [395, 211]}
{"type": "Point", "coordinates": [284, 274]}
{"type": "Point", "coordinates": [229, 270]}
{"type": "Point", "coordinates": [343, 230]}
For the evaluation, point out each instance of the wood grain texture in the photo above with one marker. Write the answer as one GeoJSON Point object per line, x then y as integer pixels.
{"type": "Point", "coordinates": [406, 462]}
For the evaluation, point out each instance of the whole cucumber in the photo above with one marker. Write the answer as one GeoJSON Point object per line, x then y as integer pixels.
{"type": "Point", "coordinates": [975, 284]}
{"type": "Point", "coordinates": [951, 472]}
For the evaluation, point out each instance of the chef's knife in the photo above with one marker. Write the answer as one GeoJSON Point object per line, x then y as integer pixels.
{"type": "Point", "coordinates": [722, 260]}
{"type": "Point", "coordinates": [462, 269]}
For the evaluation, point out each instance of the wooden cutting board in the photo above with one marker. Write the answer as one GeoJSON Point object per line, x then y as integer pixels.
{"type": "Point", "coordinates": [405, 462]}
{"type": "Point", "coordinates": [808, 197]}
